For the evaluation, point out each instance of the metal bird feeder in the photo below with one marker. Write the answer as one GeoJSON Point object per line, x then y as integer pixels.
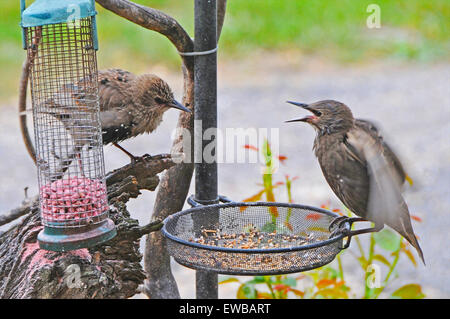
{"type": "Point", "coordinates": [61, 42]}
{"type": "Point", "coordinates": [244, 239]}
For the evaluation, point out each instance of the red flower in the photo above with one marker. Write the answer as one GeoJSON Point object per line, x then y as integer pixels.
{"type": "Point", "coordinates": [251, 147]}
{"type": "Point", "coordinates": [314, 216]}
{"type": "Point", "coordinates": [282, 158]}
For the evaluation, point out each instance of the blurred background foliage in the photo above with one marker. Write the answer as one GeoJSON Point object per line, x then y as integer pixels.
{"type": "Point", "coordinates": [413, 30]}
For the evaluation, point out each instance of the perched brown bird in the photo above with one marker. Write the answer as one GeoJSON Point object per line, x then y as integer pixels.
{"type": "Point", "coordinates": [361, 169]}
{"type": "Point", "coordinates": [130, 105]}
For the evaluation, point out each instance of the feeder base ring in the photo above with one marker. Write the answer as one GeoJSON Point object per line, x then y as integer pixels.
{"type": "Point", "coordinates": [252, 272]}
{"type": "Point", "coordinates": [60, 239]}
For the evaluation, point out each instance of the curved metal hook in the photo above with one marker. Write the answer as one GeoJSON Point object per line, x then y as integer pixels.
{"type": "Point", "coordinates": [344, 226]}
{"type": "Point", "coordinates": [196, 202]}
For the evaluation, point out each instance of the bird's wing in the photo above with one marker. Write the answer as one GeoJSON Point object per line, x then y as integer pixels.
{"type": "Point", "coordinates": [72, 106]}
{"type": "Point", "coordinates": [385, 202]}
{"type": "Point", "coordinates": [113, 91]}
{"type": "Point", "coordinates": [114, 88]}
{"type": "Point", "coordinates": [345, 172]}
{"type": "Point", "coordinates": [384, 198]}
{"type": "Point", "coordinates": [391, 157]}
{"type": "Point", "coordinates": [116, 125]}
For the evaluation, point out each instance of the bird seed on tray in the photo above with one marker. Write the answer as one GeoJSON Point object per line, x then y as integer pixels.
{"type": "Point", "coordinates": [253, 239]}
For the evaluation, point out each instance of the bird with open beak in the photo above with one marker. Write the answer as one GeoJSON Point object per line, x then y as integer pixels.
{"type": "Point", "coordinates": [361, 169]}
{"type": "Point", "coordinates": [130, 105]}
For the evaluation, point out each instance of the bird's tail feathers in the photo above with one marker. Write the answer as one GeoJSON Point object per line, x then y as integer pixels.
{"type": "Point", "coordinates": [408, 233]}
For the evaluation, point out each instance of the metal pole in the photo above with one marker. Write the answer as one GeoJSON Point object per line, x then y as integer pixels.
{"type": "Point", "coordinates": [205, 99]}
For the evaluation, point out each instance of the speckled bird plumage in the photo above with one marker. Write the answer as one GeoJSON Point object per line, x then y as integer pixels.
{"type": "Point", "coordinates": [131, 105]}
{"type": "Point", "coordinates": [360, 167]}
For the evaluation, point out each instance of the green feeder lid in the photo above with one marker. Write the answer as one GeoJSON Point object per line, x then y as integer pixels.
{"type": "Point", "coordinates": [42, 12]}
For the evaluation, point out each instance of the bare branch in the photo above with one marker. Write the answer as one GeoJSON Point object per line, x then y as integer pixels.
{"type": "Point", "coordinates": [221, 9]}
{"type": "Point", "coordinates": [23, 85]}
{"type": "Point", "coordinates": [170, 199]}
{"type": "Point", "coordinates": [18, 212]}
{"type": "Point", "coordinates": [172, 194]}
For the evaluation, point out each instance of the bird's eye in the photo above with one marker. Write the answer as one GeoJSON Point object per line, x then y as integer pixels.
{"type": "Point", "coordinates": [159, 100]}
{"type": "Point", "coordinates": [317, 113]}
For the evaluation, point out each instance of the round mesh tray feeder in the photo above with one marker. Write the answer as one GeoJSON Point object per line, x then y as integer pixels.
{"type": "Point", "coordinates": [245, 238]}
{"type": "Point", "coordinates": [61, 43]}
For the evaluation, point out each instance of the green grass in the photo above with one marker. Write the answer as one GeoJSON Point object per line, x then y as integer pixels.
{"type": "Point", "coordinates": [413, 30]}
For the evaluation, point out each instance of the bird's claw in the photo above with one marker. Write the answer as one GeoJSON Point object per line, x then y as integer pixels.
{"type": "Point", "coordinates": [143, 158]}
{"type": "Point", "coordinates": [340, 221]}
{"type": "Point", "coordinates": [337, 220]}
{"type": "Point", "coordinates": [344, 219]}
{"type": "Point", "coordinates": [338, 232]}
{"type": "Point", "coordinates": [347, 231]}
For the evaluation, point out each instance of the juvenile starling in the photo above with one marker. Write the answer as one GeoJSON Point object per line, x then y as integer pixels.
{"type": "Point", "coordinates": [361, 169]}
{"type": "Point", "coordinates": [130, 105]}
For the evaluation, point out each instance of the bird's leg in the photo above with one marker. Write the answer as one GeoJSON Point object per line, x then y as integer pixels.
{"type": "Point", "coordinates": [341, 220]}
{"type": "Point", "coordinates": [80, 164]}
{"type": "Point", "coordinates": [147, 156]}
{"type": "Point", "coordinates": [133, 158]}
{"type": "Point", "coordinates": [64, 163]}
{"type": "Point", "coordinates": [351, 220]}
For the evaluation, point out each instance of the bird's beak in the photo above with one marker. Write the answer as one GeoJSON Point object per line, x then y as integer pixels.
{"type": "Point", "coordinates": [306, 119]}
{"type": "Point", "coordinates": [303, 119]}
{"type": "Point", "coordinates": [303, 105]}
{"type": "Point", "coordinates": [178, 105]}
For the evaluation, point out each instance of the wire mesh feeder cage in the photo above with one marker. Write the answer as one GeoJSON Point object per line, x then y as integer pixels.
{"type": "Point", "coordinates": [247, 238]}
{"type": "Point", "coordinates": [61, 43]}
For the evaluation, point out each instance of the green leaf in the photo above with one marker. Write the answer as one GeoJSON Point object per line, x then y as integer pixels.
{"type": "Point", "coordinates": [372, 293]}
{"type": "Point", "coordinates": [267, 152]}
{"type": "Point", "coordinates": [227, 280]}
{"type": "Point", "coordinates": [411, 291]}
{"type": "Point", "coordinates": [382, 259]}
{"type": "Point", "coordinates": [363, 262]}
{"type": "Point", "coordinates": [269, 227]}
{"type": "Point", "coordinates": [256, 280]}
{"type": "Point", "coordinates": [332, 273]}
{"type": "Point", "coordinates": [289, 281]}
{"type": "Point", "coordinates": [246, 291]}
{"type": "Point", "coordinates": [331, 293]}
{"type": "Point", "coordinates": [387, 240]}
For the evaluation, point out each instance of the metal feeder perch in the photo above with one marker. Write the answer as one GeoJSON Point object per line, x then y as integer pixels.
{"type": "Point", "coordinates": [61, 42]}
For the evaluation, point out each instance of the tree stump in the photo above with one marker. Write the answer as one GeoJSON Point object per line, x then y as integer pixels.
{"type": "Point", "coordinates": [110, 270]}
